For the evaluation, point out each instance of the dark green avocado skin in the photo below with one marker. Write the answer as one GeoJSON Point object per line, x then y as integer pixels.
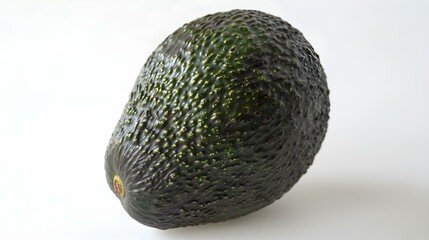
{"type": "Point", "coordinates": [225, 117]}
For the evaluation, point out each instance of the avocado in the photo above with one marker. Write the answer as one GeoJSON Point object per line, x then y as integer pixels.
{"type": "Point", "coordinates": [225, 116]}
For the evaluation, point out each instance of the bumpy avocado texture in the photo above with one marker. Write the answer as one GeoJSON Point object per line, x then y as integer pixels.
{"type": "Point", "coordinates": [225, 116]}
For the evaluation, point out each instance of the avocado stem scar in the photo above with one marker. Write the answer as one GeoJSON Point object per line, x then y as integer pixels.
{"type": "Point", "coordinates": [118, 186]}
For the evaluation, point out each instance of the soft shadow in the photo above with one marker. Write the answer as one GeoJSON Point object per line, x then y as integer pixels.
{"type": "Point", "coordinates": [328, 207]}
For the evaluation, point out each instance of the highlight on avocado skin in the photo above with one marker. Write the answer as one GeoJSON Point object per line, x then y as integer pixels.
{"type": "Point", "coordinates": [226, 115]}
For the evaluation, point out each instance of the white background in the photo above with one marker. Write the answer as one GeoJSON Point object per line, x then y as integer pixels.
{"type": "Point", "coordinates": [66, 69]}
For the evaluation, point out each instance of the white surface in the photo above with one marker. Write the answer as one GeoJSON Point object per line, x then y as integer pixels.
{"type": "Point", "coordinates": [66, 69]}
